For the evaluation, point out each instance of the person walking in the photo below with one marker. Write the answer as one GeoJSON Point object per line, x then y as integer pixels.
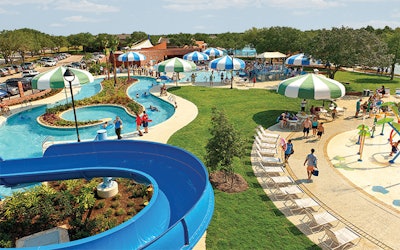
{"type": "Point", "coordinates": [311, 161]}
{"type": "Point", "coordinates": [289, 150]}
{"type": "Point", "coordinates": [306, 127]}
{"type": "Point", "coordinates": [118, 127]}
{"type": "Point", "coordinates": [138, 124]}
{"type": "Point", "coordinates": [320, 130]}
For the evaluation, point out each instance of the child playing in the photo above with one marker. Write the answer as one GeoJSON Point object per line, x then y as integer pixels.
{"type": "Point", "coordinates": [394, 148]}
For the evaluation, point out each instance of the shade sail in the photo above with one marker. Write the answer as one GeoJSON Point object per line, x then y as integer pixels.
{"type": "Point", "coordinates": [271, 55]}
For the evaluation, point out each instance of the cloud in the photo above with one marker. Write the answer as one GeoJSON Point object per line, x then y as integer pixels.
{"type": "Point", "coordinates": [81, 19]}
{"type": "Point", "coordinates": [304, 4]}
{"type": "Point", "coordinates": [84, 6]}
{"type": "Point", "coordinates": [196, 5]}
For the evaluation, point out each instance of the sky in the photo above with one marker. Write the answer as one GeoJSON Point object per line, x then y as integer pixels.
{"type": "Point", "coordinates": [161, 17]}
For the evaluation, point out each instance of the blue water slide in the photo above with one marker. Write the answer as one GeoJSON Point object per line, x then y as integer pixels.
{"type": "Point", "coordinates": [178, 213]}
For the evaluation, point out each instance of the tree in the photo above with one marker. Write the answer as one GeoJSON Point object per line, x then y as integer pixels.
{"type": "Point", "coordinates": [347, 47]}
{"type": "Point", "coordinates": [394, 50]}
{"type": "Point", "coordinates": [136, 36]}
{"type": "Point", "coordinates": [224, 145]}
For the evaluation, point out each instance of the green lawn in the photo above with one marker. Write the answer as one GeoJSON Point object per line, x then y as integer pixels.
{"type": "Point", "coordinates": [249, 220]}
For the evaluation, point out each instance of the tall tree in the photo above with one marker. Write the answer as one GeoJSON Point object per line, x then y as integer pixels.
{"type": "Point", "coordinates": [343, 46]}
{"type": "Point", "coordinates": [394, 50]}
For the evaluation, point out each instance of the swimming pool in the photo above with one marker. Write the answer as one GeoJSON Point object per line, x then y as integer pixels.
{"type": "Point", "coordinates": [22, 137]}
{"type": "Point", "coordinates": [204, 76]}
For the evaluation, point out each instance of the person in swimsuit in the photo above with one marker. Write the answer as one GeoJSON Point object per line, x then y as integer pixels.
{"type": "Point", "coordinates": [314, 126]}
{"type": "Point", "coordinates": [118, 127]}
{"type": "Point", "coordinates": [320, 130]}
{"type": "Point", "coordinates": [306, 127]}
{"type": "Point", "coordinates": [311, 161]}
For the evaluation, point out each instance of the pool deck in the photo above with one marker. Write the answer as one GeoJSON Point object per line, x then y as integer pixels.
{"type": "Point", "coordinates": [343, 187]}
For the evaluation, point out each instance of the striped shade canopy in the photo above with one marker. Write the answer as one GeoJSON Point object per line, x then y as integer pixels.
{"type": "Point", "coordinates": [311, 86]}
{"type": "Point", "coordinates": [54, 79]}
{"type": "Point", "coordinates": [131, 57]}
{"type": "Point", "coordinates": [227, 63]}
{"type": "Point", "coordinates": [175, 65]}
{"type": "Point", "coordinates": [302, 60]}
{"type": "Point", "coordinates": [213, 52]}
{"type": "Point", "coordinates": [196, 56]}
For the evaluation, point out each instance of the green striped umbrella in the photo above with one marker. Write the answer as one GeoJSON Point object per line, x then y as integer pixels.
{"type": "Point", "coordinates": [175, 65]}
{"type": "Point", "coordinates": [311, 86]}
{"type": "Point", "coordinates": [54, 79]}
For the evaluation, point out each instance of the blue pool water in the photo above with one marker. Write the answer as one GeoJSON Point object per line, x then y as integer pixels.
{"type": "Point", "coordinates": [22, 137]}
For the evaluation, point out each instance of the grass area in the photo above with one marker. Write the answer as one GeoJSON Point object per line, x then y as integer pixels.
{"type": "Point", "coordinates": [249, 220]}
{"type": "Point", "coordinates": [360, 81]}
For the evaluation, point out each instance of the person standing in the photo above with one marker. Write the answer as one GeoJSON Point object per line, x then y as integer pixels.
{"type": "Point", "coordinates": [320, 130]}
{"type": "Point", "coordinates": [289, 150]}
{"type": "Point", "coordinates": [306, 127]}
{"type": "Point", "coordinates": [358, 107]}
{"type": "Point", "coordinates": [334, 113]}
{"type": "Point", "coordinates": [303, 105]}
{"type": "Point", "coordinates": [311, 161]}
{"type": "Point", "coordinates": [314, 126]}
{"type": "Point", "coordinates": [138, 124]}
{"type": "Point", "coordinates": [145, 122]}
{"type": "Point", "coordinates": [118, 127]}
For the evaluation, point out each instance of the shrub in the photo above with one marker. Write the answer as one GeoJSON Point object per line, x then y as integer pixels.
{"type": "Point", "coordinates": [119, 212]}
{"type": "Point", "coordinates": [115, 204]}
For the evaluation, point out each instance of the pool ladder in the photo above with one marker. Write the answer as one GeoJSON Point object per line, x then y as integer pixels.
{"type": "Point", "coordinates": [47, 142]}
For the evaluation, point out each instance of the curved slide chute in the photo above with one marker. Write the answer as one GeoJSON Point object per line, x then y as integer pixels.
{"type": "Point", "coordinates": [176, 217]}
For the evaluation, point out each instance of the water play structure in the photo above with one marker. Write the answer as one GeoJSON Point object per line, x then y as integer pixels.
{"type": "Point", "coordinates": [176, 217]}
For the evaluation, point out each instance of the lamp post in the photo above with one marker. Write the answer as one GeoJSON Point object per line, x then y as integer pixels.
{"type": "Point", "coordinates": [231, 53]}
{"type": "Point", "coordinates": [69, 76]}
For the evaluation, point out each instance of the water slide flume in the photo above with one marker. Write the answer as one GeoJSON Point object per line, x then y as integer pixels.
{"type": "Point", "coordinates": [176, 217]}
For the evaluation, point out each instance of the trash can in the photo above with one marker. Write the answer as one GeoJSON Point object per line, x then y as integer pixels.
{"type": "Point", "coordinates": [101, 134]}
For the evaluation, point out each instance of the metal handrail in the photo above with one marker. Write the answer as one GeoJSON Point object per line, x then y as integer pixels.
{"type": "Point", "coordinates": [49, 139]}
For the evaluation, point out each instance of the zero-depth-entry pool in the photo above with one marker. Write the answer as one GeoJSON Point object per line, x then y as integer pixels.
{"type": "Point", "coordinates": [22, 137]}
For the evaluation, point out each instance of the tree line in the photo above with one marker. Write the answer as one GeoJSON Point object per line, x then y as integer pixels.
{"type": "Point", "coordinates": [336, 47]}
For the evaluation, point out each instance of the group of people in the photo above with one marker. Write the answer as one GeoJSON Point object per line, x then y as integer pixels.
{"type": "Point", "coordinates": [368, 106]}
{"type": "Point", "coordinates": [285, 117]}
{"type": "Point", "coordinates": [311, 159]}
{"type": "Point", "coordinates": [140, 121]}
{"type": "Point", "coordinates": [316, 127]}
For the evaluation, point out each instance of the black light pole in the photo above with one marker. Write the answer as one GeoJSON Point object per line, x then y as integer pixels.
{"type": "Point", "coordinates": [231, 53]}
{"type": "Point", "coordinates": [69, 76]}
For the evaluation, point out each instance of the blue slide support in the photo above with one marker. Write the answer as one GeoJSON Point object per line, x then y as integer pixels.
{"type": "Point", "coordinates": [178, 213]}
